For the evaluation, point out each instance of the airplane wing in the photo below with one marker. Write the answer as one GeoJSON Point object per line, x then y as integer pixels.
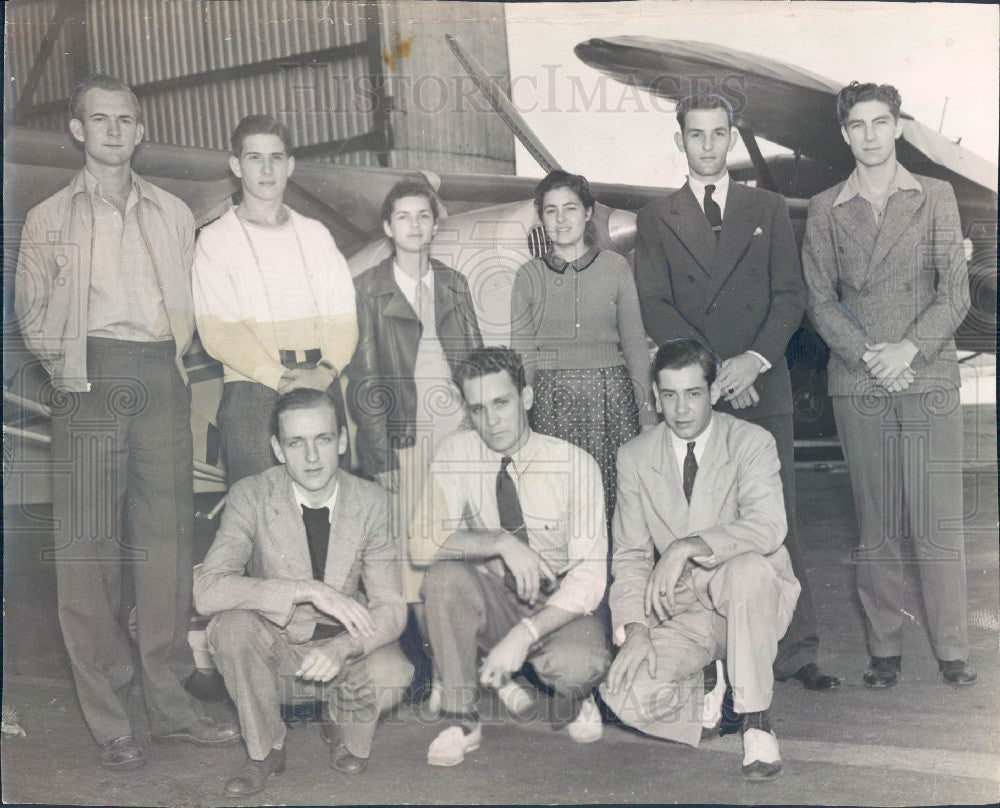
{"type": "Point", "coordinates": [783, 103]}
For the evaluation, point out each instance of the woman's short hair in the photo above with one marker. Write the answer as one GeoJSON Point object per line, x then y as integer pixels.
{"type": "Point", "coordinates": [577, 183]}
{"type": "Point", "coordinates": [406, 188]}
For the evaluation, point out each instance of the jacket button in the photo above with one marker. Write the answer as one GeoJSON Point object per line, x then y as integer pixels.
{"type": "Point", "coordinates": [690, 277]}
{"type": "Point", "coordinates": [908, 287]}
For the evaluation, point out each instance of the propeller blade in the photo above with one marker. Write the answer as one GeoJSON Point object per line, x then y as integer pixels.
{"type": "Point", "coordinates": [504, 108]}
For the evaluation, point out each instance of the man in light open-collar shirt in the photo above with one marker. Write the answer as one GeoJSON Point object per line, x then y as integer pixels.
{"type": "Point", "coordinates": [517, 544]}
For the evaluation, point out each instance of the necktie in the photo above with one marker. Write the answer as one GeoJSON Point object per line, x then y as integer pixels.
{"type": "Point", "coordinates": [317, 522]}
{"type": "Point", "coordinates": [508, 504]}
{"type": "Point", "coordinates": [690, 470]}
{"type": "Point", "coordinates": [712, 211]}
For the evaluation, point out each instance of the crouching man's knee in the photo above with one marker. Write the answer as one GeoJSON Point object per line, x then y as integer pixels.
{"type": "Point", "coordinates": [231, 633]}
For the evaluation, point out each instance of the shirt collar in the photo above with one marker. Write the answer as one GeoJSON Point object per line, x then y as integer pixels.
{"type": "Point", "coordinates": [679, 444]}
{"type": "Point", "coordinates": [521, 458]}
{"type": "Point", "coordinates": [698, 185]}
{"type": "Point", "coordinates": [559, 265]}
{"type": "Point", "coordinates": [406, 281]}
{"type": "Point", "coordinates": [87, 183]}
{"type": "Point", "coordinates": [331, 503]}
{"type": "Point", "coordinates": [902, 180]}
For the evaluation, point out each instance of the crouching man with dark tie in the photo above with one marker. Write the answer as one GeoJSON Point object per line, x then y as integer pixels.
{"type": "Point", "coordinates": [519, 546]}
{"type": "Point", "coordinates": [702, 490]}
{"type": "Point", "coordinates": [304, 587]}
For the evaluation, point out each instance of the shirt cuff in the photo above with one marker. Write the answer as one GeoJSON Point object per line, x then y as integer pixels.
{"type": "Point", "coordinates": [765, 365]}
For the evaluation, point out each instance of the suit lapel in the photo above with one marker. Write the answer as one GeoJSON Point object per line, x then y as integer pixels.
{"type": "Point", "coordinates": [288, 531]}
{"type": "Point", "coordinates": [738, 223]}
{"type": "Point", "coordinates": [344, 538]}
{"type": "Point", "coordinates": [854, 218]}
{"type": "Point", "coordinates": [899, 211]}
{"type": "Point", "coordinates": [663, 486]}
{"type": "Point", "coordinates": [684, 216]}
{"type": "Point", "coordinates": [712, 481]}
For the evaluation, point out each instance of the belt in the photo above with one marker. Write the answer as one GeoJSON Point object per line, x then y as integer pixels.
{"type": "Point", "coordinates": [310, 356]}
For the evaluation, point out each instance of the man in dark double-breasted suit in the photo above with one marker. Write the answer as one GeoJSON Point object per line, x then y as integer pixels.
{"type": "Point", "coordinates": [717, 261]}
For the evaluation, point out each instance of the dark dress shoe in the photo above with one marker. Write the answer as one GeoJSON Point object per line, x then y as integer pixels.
{"type": "Point", "coordinates": [122, 755]}
{"type": "Point", "coordinates": [882, 671]}
{"type": "Point", "coordinates": [252, 775]}
{"type": "Point", "coordinates": [203, 732]}
{"type": "Point", "coordinates": [956, 672]}
{"type": "Point", "coordinates": [343, 761]}
{"type": "Point", "coordinates": [813, 678]}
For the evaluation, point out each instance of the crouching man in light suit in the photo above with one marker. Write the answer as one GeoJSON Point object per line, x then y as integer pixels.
{"type": "Point", "coordinates": [284, 581]}
{"type": "Point", "coordinates": [703, 490]}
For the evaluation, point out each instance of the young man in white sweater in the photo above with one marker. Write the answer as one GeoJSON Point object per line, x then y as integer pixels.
{"type": "Point", "coordinates": [273, 297]}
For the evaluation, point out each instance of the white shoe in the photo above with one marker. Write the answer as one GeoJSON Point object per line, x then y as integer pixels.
{"type": "Point", "coordinates": [515, 698]}
{"type": "Point", "coordinates": [587, 726]}
{"type": "Point", "coordinates": [761, 756]}
{"type": "Point", "coordinates": [452, 745]}
{"type": "Point", "coordinates": [711, 710]}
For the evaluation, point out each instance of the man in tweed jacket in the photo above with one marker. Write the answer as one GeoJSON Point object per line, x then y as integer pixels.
{"type": "Point", "coordinates": [888, 287]}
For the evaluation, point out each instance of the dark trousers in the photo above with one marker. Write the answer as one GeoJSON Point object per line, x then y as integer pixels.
{"type": "Point", "coordinates": [244, 419]}
{"type": "Point", "coordinates": [468, 611]}
{"type": "Point", "coordinates": [122, 495]}
{"type": "Point", "coordinates": [800, 645]}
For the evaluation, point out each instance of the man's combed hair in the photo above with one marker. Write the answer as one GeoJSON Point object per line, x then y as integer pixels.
{"type": "Point", "coordinates": [684, 352]}
{"type": "Point", "coordinates": [259, 125]}
{"type": "Point", "coordinates": [486, 361]}
{"type": "Point", "coordinates": [303, 398]}
{"type": "Point", "coordinates": [704, 101]}
{"type": "Point", "coordinates": [99, 81]}
{"type": "Point", "coordinates": [406, 188]}
{"type": "Point", "coordinates": [855, 93]}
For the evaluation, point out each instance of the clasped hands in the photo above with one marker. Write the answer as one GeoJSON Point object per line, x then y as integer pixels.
{"type": "Point", "coordinates": [888, 363]}
{"type": "Point", "coordinates": [324, 662]}
{"type": "Point", "coordinates": [316, 378]}
{"type": "Point", "coordinates": [736, 379]}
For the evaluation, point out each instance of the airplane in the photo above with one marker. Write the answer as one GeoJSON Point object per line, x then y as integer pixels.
{"type": "Point", "coordinates": [490, 226]}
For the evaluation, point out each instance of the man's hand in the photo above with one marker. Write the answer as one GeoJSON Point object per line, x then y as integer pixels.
{"type": "Point", "coordinates": [748, 398]}
{"type": "Point", "coordinates": [737, 375]}
{"type": "Point", "coordinates": [887, 361]}
{"type": "Point", "coordinates": [636, 649]}
{"type": "Point", "coordinates": [351, 614]}
{"type": "Point", "coordinates": [527, 567]}
{"type": "Point", "coordinates": [317, 378]}
{"type": "Point", "coordinates": [660, 589]}
{"type": "Point", "coordinates": [323, 663]}
{"type": "Point", "coordinates": [507, 657]}
{"type": "Point", "coordinates": [389, 479]}
{"type": "Point", "coordinates": [900, 383]}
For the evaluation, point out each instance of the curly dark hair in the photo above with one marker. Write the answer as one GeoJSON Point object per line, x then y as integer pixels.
{"type": "Point", "coordinates": [856, 92]}
{"type": "Point", "coordinates": [703, 101]}
{"type": "Point", "coordinates": [494, 359]}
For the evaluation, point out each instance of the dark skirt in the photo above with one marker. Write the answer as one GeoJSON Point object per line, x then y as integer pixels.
{"type": "Point", "coordinates": [594, 409]}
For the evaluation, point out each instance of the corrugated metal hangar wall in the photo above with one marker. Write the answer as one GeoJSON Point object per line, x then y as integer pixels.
{"type": "Point", "coordinates": [357, 83]}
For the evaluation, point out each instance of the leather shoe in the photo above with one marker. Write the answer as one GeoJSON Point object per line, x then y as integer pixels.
{"type": "Point", "coordinates": [344, 761]}
{"type": "Point", "coordinates": [252, 775]}
{"type": "Point", "coordinates": [203, 732]}
{"type": "Point", "coordinates": [122, 755]}
{"type": "Point", "coordinates": [813, 678]}
{"type": "Point", "coordinates": [956, 672]}
{"type": "Point", "coordinates": [882, 672]}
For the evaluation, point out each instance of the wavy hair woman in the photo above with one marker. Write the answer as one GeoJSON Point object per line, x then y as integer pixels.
{"type": "Point", "coordinates": [575, 319]}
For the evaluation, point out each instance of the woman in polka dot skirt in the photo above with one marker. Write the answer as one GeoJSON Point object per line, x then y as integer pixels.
{"type": "Point", "coordinates": [575, 320]}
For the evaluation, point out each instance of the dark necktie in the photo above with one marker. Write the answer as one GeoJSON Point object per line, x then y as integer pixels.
{"type": "Point", "coordinates": [690, 470]}
{"type": "Point", "coordinates": [712, 211]}
{"type": "Point", "coordinates": [317, 522]}
{"type": "Point", "coordinates": [508, 504]}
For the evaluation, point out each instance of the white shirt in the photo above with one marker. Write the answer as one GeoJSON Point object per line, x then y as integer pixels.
{"type": "Point", "coordinates": [720, 194]}
{"type": "Point", "coordinates": [562, 498]}
{"type": "Point", "coordinates": [331, 503]}
{"type": "Point", "coordinates": [408, 285]}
